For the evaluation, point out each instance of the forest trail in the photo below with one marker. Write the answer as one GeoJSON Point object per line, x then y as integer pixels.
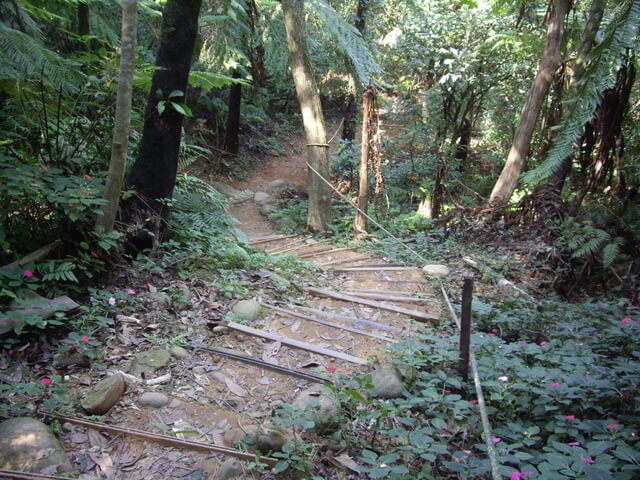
{"type": "Point", "coordinates": [322, 327]}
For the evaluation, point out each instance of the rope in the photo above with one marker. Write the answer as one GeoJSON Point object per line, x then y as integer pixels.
{"type": "Point", "coordinates": [484, 416]}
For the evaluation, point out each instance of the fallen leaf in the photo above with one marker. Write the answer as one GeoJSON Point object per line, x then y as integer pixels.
{"type": "Point", "coordinates": [235, 388]}
{"type": "Point", "coordinates": [264, 381]}
{"type": "Point", "coordinates": [348, 462]}
{"type": "Point", "coordinates": [78, 437]}
{"type": "Point", "coordinates": [295, 327]}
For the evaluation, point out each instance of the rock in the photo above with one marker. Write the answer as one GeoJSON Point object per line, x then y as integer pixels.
{"type": "Point", "coordinates": [436, 270]}
{"type": "Point", "coordinates": [31, 304]}
{"type": "Point", "coordinates": [221, 329]}
{"type": "Point", "coordinates": [267, 208]}
{"type": "Point", "coordinates": [387, 382]}
{"type": "Point", "coordinates": [159, 299]}
{"type": "Point", "coordinates": [153, 399]}
{"type": "Point", "coordinates": [226, 190]}
{"type": "Point", "coordinates": [280, 284]}
{"type": "Point", "coordinates": [174, 403]}
{"type": "Point", "coordinates": [234, 436]}
{"type": "Point", "coordinates": [76, 359]}
{"type": "Point", "coordinates": [262, 197]}
{"type": "Point", "coordinates": [230, 468]}
{"type": "Point", "coordinates": [270, 440]}
{"type": "Point", "coordinates": [28, 445]}
{"type": "Point", "coordinates": [320, 405]}
{"type": "Point", "coordinates": [104, 395]}
{"type": "Point", "coordinates": [148, 362]}
{"type": "Point", "coordinates": [278, 187]}
{"type": "Point", "coordinates": [179, 353]}
{"type": "Point", "coordinates": [247, 310]}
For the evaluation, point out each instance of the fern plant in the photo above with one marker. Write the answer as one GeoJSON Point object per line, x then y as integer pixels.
{"type": "Point", "coordinates": [602, 65]}
{"type": "Point", "coordinates": [583, 240]}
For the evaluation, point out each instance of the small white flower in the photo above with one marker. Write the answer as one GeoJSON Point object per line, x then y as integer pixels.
{"type": "Point", "coordinates": [503, 378]}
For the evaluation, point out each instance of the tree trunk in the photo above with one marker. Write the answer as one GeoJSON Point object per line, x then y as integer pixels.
{"type": "Point", "coordinates": [153, 175]}
{"type": "Point", "coordinates": [596, 12]}
{"type": "Point", "coordinates": [363, 193]}
{"type": "Point", "coordinates": [122, 121]}
{"type": "Point", "coordinates": [317, 149]}
{"type": "Point", "coordinates": [351, 108]}
{"type": "Point", "coordinates": [232, 132]}
{"type": "Point", "coordinates": [551, 58]}
{"type": "Point", "coordinates": [84, 22]}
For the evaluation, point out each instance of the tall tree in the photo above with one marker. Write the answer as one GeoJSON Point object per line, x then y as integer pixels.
{"type": "Point", "coordinates": [319, 215]}
{"type": "Point", "coordinates": [351, 109]}
{"type": "Point", "coordinates": [122, 119]}
{"type": "Point", "coordinates": [551, 59]}
{"type": "Point", "coordinates": [232, 132]}
{"type": "Point", "coordinates": [153, 175]}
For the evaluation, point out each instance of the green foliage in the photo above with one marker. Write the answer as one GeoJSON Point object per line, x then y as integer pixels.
{"type": "Point", "coordinates": [584, 239]}
{"type": "Point", "coordinates": [602, 65]}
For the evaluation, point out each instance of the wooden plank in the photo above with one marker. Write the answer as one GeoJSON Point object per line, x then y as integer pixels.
{"type": "Point", "coordinates": [386, 298]}
{"type": "Point", "coordinates": [270, 238]}
{"type": "Point", "coordinates": [15, 475]}
{"type": "Point", "coordinates": [298, 247]}
{"type": "Point", "coordinates": [296, 343]}
{"type": "Point", "coordinates": [283, 312]}
{"type": "Point", "coordinates": [163, 439]}
{"type": "Point", "coordinates": [341, 261]}
{"type": "Point", "coordinates": [421, 316]}
{"type": "Point", "coordinates": [295, 241]}
{"type": "Point", "coordinates": [392, 292]}
{"type": "Point", "coordinates": [325, 252]}
{"type": "Point", "coordinates": [346, 318]}
{"type": "Point", "coordinates": [375, 268]}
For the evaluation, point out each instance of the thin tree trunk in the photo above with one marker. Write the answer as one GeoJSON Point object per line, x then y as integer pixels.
{"type": "Point", "coordinates": [351, 108]}
{"type": "Point", "coordinates": [363, 190]}
{"type": "Point", "coordinates": [438, 190]}
{"type": "Point", "coordinates": [153, 175]}
{"type": "Point", "coordinates": [551, 58]}
{"type": "Point", "coordinates": [319, 215]}
{"type": "Point", "coordinates": [232, 132]}
{"type": "Point", "coordinates": [122, 121]}
{"type": "Point", "coordinates": [84, 22]}
{"type": "Point", "coordinates": [596, 12]}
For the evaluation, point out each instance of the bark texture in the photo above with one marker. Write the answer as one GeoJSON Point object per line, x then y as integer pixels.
{"type": "Point", "coordinates": [551, 58]}
{"type": "Point", "coordinates": [122, 120]}
{"type": "Point", "coordinates": [153, 175]}
{"type": "Point", "coordinates": [307, 91]}
{"type": "Point", "coordinates": [365, 154]}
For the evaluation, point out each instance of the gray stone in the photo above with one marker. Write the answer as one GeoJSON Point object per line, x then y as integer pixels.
{"type": "Point", "coordinates": [262, 197]}
{"type": "Point", "coordinates": [153, 399]}
{"type": "Point", "coordinates": [436, 270]}
{"type": "Point", "coordinates": [247, 310]}
{"type": "Point", "coordinates": [31, 304]}
{"type": "Point", "coordinates": [159, 299]}
{"type": "Point", "coordinates": [320, 405]}
{"type": "Point", "coordinates": [387, 382]}
{"type": "Point", "coordinates": [28, 445]}
{"type": "Point", "coordinates": [148, 362]}
{"type": "Point", "coordinates": [226, 190]}
{"type": "Point", "coordinates": [221, 329]}
{"type": "Point", "coordinates": [270, 440]}
{"type": "Point", "coordinates": [76, 359]}
{"type": "Point", "coordinates": [230, 468]}
{"type": "Point", "coordinates": [179, 353]}
{"type": "Point", "coordinates": [174, 403]}
{"type": "Point", "coordinates": [267, 209]}
{"type": "Point", "coordinates": [104, 395]}
{"type": "Point", "coordinates": [278, 187]}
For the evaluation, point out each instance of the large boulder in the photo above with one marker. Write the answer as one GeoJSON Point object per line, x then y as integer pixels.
{"type": "Point", "coordinates": [387, 382]}
{"type": "Point", "coordinates": [27, 445]}
{"type": "Point", "coordinates": [437, 271]}
{"type": "Point", "coordinates": [146, 363]}
{"type": "Point", "coordinates": [320, 405]}
{"type": "Point", "coordinates": [104, 395]}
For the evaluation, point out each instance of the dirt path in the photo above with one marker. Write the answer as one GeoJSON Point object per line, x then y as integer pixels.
{"type": "Point", "coordinates": [216, 399]}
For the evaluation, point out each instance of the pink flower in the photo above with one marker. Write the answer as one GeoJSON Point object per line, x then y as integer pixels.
{"type": "Point", "coordinates": [626, 320]}
{"type": "Point", "coordinates": [491, 334]}
{"type": "Point", "coordinates": [27, 273]}
{"type": "Point", "coordinates": [555, 384]}
{"type": "Point", "coordinates": [543, 343]}
{"type": "Point", "coordinates": [570, 417]}
{"type": "Point", "coordinates": [474, 401]}
{"type": "Point", "coordinates": [85, 339]}
{"type": "Point", "coordinates": [331, 369]}
{"type": "Point", "coordinates": [45, 381]}
{"type": "Point", "coordinates": [496, 440]}
{"type": "Point", "coordinates": [574, 444]}
{"type": "Point", "coordinates": [520, 475]}
{"type": "Point", "coordinates": [587, 460]}
{"type": "Point", "coordinates": [111, 301]}
{"type": "Point", "coordinates": [429, 239]}
{"type": "Point", "coordinates": [131, 291]}
{"type": "Point", "coordinates": [613, 426]}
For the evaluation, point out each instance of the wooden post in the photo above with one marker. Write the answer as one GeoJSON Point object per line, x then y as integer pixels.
{"type": "Point", "coordinates": [363, 194]}
{"type": "Point", "coordinates": [465, 325]}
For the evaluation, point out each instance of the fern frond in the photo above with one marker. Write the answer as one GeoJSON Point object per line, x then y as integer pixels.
{"type": "Point", "coordinates": [611, 252]}
{"type": "Point", "coordinates": [603, 64]}
{"type": "Point", "coordinates": [23, 58]}
{"type": "Point", "coordinates": [348, 39]}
